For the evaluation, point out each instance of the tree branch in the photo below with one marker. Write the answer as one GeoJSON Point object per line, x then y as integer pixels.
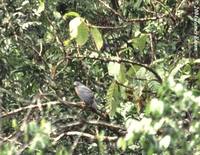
{"type": "Point", "coordinates": [86, 135]}
{"type": "Point", "coordinates": [132, 20]}
{"type": "Point", "coordinates": [119, 60]}
{"type": "Point", "coordinates": [32, 106]}
{"type": "Point", "coordinates": [119, 130]}
{"type": "Point", "coordinates": [105, 124]}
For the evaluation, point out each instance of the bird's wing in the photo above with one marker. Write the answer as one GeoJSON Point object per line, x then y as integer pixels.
{"type": "Point", "coordinates": [85, 90]}
{"type": "Point", "coordinates": [85, 94]}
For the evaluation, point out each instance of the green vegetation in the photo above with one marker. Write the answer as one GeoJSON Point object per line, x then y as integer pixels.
{"type": "Point", "coordinates": [141, 59]}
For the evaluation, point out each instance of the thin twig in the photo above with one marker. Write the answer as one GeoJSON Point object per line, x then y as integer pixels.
{"type": "Point", "coordinates": [133, 20]}
{"type": "Point", "coordinates": [147, 18]}
{"type": "Point", "coordinates": [152, 45]}
{"type": "Point", "coordinates": [86, 135]}
{"type": "Point", "coordinates": [119, 60]}
{"type": "Point", "coordinates": [32, 106]}
{"type": "Point", "coordinates": [114, 11]}
{"type": "Point", "coordinates": [17, 97]}
{"type": "Point", "coordinates": [77, 140]}
{"type": "Point", "coordinates": [105, 124]}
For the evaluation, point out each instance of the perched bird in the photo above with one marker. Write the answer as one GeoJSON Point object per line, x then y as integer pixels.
{"type": "Point", "coordinates": [85, 94]}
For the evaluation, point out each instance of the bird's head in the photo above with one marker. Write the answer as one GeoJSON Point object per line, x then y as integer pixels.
{"type": "Point", "coordinates": [76, 84]}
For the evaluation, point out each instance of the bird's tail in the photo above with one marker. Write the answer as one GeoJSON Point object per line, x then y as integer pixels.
{"type": "Point", "coordinates": [99, 112]}
{"type": "Point", "coordinates": [94, 105]}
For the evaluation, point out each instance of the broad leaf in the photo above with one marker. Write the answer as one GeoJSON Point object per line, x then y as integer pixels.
{"type": "Point", "coordinates": [97, 38]}
{"type": "Point", "coordinates": [112, 98]}
{"type": "Point", "coordinates": [118, 71]}
{"type": "Point", "coordinates": [71, 14]}
{"type": "Point", "coordinates": [140, 42]}
{"type": "Point", "coordinates": [83, 34]}
{"type": "Point", "coordinates": [79, 30]}
{"type": "Point", "coordinates": [41, 6]}
{"type": "Point", "coordinates": [114, 69]}
{"type": "Point", "coordinates": [73, 27]}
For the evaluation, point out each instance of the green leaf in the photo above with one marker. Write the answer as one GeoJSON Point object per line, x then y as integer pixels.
{"type": "Point", "coordinates": [97, 38]}
{"type": "Point", "coordinates": [14, 124]}
{"type": "Point", "coordinates": [113, 69]}
{"type": "Point", "coordinates": [71, 14]}
{"type": "Point", "coordinates": [40, 141]}
{"type": "Point", "coordinates": [181, 63]}
{"type": "Point", "coordinates": [197, 61]}
{"type": "Point", "coordinates": [118, 71]}
{"type": "Point", "coordinates": [171, 79]}
{"type": "Point", "coordinates": [41, 6]}
{"type": "Point", "coordinates": [132, 71]}
{"type": "Point", "coordinates": [45, 126]}
{"type": "Point", "coordinates": [135, 126]}
{"type": "Point", "coordinates": [121, 143]}
{"type": "Point", "coordinates": [137, 4]}
{"type": "Point", "coordinates": [140, 42]}
{"type": "Point", "coordinates": [122, 74]}
{"type": "Point", "coordinates": [112, 98]}
{"type": "Point", "coordinates": [156, 107]}
{"type": "Point", "coordinates": [49, 37]}
{"type": "Point", "coordinates": [79, 30]}
{"type": "Point", "coordinates": [165, 142]}
{"type": "Point", "coordinates": [73, 26]}
{"type": "Point", "coordinates": [67, 42]}
{"type": "Point", "coordinates": [83, 34]}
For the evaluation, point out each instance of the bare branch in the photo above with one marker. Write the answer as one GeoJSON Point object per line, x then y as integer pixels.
{"type": "Point", "coordinates": [119, 60]}
{"type": "Point", "coordinates": [133, 20]}
{"type": "Point", "coordinates": [36, 106]}
{"type": "Point", "coordinates": [105, 124]}
{"type": "Point", "coordinates": [86, 135]}
{"type": "Point", "coordinates": [32, 106]}
{"type": "Point", "coordinates": [117, 129]}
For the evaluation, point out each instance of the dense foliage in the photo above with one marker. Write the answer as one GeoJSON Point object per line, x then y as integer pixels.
{"type": "Point", "coordinates": [141, 59]}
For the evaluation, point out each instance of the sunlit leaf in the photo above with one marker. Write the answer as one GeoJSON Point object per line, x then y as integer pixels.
{"type": "Point", "coordinates": [156, 106]}
{"type": "Point", "coordinates": [49, 37]}
{"type": "Point", "coordinates": [14, 123]}
{"type": "Point", "coordinates": [41, 6]}
{"type": "Point", "coordinates": [122, 74]}
{"type": "Point", "coordinates": [132, 71]}
{"type": "Point", "coordinates": [165, 142]}
{"type": "Point", "coordinates": [73, 26]}
{"type": "Point", "coordinates": [179, 66]}
{"type": "Point", "coordinates": [83, 34]}
{"type": "Point", "coordinates": [140, 42]}
{"type": "Point", "coordinates": [118, 71]}
{"type": "Point", "coordinates": [137, 3]}
{"type": "Point", "coordinates": [135, 126]}
{"type": "Point", "coordinates": [71, 14]}
{"type": "Point", "coordinates": [112, 98]}
{"type": "Point", "coordinates": [197, 61]}
{"type": "Point", "coordinates": [45, 126]}
{"type": "Point", "coordinates": [114, 69]}
{"type": "Point", "coordinates": [121, 143]}
{"type": "Point", "coordinates": [97, 38]}
{"type": "Point", "coordinates": [57, 15]}
{"type": "Point", "coordinates": [79, 30]}
{"type": "Point", "coordinates": [40, 141]}
{"type": "Point", "coordinates": [67, 42]}
{"type": "Point", "coordinates": [171, 80]}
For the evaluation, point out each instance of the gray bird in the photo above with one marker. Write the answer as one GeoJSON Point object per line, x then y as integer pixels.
{"type": "Point", "coordinates": [85, 94]}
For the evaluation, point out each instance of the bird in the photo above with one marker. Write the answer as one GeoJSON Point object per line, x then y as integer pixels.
{"type": "Point", "coordinates": [85, 94]}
